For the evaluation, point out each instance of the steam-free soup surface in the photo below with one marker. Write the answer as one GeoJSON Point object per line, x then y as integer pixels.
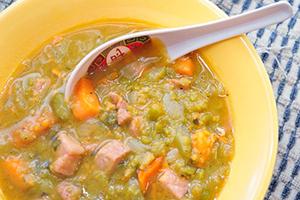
{"type": "Point", "coordinates": [141, 128]}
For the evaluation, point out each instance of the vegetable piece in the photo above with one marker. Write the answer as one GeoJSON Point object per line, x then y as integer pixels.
{"type": "Point", "coordinates": [135, 69]}
{"type": "Point", "coordinates": [147, 175]}
{"type": "Point", "coordinates": [60, 107]}
{"type": "Point", "coordinates": [134, 191]}
{"type": "Point", "coordinates": [155, 111]}
{"type": "Point", "coordinates": [173, 108]}
{"type": "Point", "coordinates": [18, 172]}
{"type": "Point", "coordinates": [161, 125]}
{"type": "Point", "coordinates": [23, 135]}
{"type": "Point", "coordinates": [157, 73]}
{"type": "Point", "coordinates": [32, 128]}
{"type": "Point", "coordinates": [135, 127]}
{"type": "Point", "coordinates": [183, 142]}
{"type": "Point", "coordinates": [145, 159]}
{"type": "Point", "coordinates": [180, 166]}
{"type": "Point", "coordinates": [44, 122]}
{"type": "Point", "coordinates": [202, 142]}
{"type": "Point", "coordinates": [109, 118]}
{"type": "Point", "coordinates": [185, 66]}
{"type": "Point", "coordinates": [158, 147]}
{"type": "Point", "coordinates": [136, 146]}
{"type": "Point", "coordinates": [173, 155]}
{"type": "Point", "coordinates": [85, 103]}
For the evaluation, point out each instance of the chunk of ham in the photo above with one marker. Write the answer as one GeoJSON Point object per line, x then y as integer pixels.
{"type": "Point", "coordinates": [123, 115]}
{"type": "Point", "coordinates": [65, 165]}
{"type": "Point", "coordinates": [135, 126]}
{"type": "Point", "coordinates": [69, 154]}
{"type": "Point", "coordinates": [68, 145]}
{"type": "Point", "coordinates": [110, 155]}
{"type": "Point", "coordinates": [174, 184]}
{"type": "Point", "coordinates": [115, 98]}
{"type": "Point", "coordinates": [68, 191]}
{"type": "Point", "coordinates": [122, 104]}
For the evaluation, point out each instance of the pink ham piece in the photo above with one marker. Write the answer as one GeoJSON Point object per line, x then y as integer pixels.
{"type": "Point", "coordinates": [68, 145]}
{"type": "Point", "coordinates": [110, 155]}
{"type": "Point", "coordinates": [115, 98]}
{"type": "Point", "coordinates": [69, 154]}
{"type": "Point", "coordinates": [174, 184]}
{"type": "Point", "coordinates": [68, 191]}
{"type": "Point", "coordinates": [123, 116]}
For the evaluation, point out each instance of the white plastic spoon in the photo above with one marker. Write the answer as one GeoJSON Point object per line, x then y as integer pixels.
{"type": "Point", "coordinates": [179, 41]}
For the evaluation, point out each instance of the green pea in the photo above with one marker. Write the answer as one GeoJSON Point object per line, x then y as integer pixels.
{"type": "Point", "coordinates": [188, 170]}
{"type": "Point", "coordinates": [60, 107]}
{"type": "Point", "coordinates": [183, 143]}
{"type": "Point", "coordinates": [155, 111]}
{"type": "Point", "coordinates": [157, 73]}
{"type": "Point", "coordinates": [109, 118]}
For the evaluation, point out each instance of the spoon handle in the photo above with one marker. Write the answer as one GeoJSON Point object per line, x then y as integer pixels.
{"type": "Point", "coordinates": [180, 41]}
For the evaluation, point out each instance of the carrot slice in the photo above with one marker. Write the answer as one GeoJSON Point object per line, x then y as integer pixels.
{"type": "Point", "coordinates": [147, 175]}
{"type": "Point", "coordinates": [185, 66]}
{"type": "Point", "coordinates": [85, 103]}
{"type": "Point", "coordinates": [16, 170]}
{"type": "Point", "coordinates": [202, 142]}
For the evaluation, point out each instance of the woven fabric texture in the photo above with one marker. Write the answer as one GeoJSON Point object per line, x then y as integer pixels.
{"type": "Point", "coordinates": [278, 46]}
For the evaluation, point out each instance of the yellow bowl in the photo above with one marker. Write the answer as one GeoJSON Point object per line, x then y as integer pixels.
{"type": "Point", "coordinates": [27, 24]}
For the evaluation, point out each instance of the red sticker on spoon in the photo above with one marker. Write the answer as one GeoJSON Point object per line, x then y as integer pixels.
{"type": "Point", "coordinates": [115, 52]}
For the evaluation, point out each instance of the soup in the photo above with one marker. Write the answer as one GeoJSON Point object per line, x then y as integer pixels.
{"type": "Point", "coordinates": [140, 128]}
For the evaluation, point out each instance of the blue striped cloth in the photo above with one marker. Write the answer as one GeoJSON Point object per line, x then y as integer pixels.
{"type": "Point", "coordinates": [278, 46]}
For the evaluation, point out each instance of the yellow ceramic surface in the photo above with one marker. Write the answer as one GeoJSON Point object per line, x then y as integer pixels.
{"type": "Point", "coordinates": [28, 24]}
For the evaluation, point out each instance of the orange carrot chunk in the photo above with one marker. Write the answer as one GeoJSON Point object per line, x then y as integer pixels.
{"type": "Point", "coordinates": [202, 142]}
{"type": "Point", "coordinates": [147, 175]}
{"type": "Point", "coordinates": [184, 66]}
{"type": "Point", "coordinates": [17, 172]}
{"type": "Point", "coordinates": [85, 103]}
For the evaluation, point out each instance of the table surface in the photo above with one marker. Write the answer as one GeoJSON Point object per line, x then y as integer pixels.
{"type": "Point", "coordinates": [278, 46]}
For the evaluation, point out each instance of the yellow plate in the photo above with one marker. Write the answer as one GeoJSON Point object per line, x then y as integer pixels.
{"type": "Point", "coordinates": [27, 24]}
